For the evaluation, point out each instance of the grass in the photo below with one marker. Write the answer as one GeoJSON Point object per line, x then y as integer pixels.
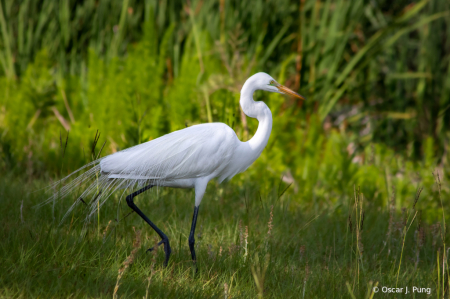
{"type": "Point", "coordinates": [248, 245]}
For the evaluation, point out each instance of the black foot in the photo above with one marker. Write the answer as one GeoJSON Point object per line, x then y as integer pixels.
{"type": "Point", "coordinates": [151, 248]}
{"type": "Point", "coordinates": [167, 250]}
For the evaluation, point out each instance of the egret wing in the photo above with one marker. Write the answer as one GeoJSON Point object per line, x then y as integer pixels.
{"type": "Point", "coordinates": [193, 152]}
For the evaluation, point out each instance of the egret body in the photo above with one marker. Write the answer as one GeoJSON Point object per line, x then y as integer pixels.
{"type": "Point", "coordinates": [188, 158]}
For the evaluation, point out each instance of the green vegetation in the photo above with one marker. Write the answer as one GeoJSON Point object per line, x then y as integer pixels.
{"type": "Point", "coordinates": [242, 243]}
{"type": "Point", "coordinates": [376, 123]}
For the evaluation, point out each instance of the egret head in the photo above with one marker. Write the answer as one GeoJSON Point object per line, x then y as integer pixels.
{"type": "Point", "coordinates": [265, 82]}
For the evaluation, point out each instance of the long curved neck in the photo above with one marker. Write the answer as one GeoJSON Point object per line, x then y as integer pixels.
{"type": "Point", "coordinates": [260, 111]}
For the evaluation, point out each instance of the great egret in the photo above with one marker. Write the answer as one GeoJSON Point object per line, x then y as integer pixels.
{"type": "Point", "coordinates": [188, 158]}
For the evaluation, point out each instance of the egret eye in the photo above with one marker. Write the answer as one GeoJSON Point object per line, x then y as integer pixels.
{"type": "Point", "coordinates": [272, 83]}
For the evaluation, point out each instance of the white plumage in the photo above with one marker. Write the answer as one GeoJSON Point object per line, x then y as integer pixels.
{"type": "Point", "coordinates": [188, 158]}
{"type": "Point", "coordinates": [184, 161]}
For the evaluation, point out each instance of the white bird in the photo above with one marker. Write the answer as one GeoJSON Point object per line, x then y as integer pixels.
{"type": "Point", "coordinates": [188, 158]}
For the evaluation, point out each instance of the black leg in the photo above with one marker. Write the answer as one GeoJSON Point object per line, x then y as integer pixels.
{"type": "Point", "coordinates": [164, 238]}
{"type": "Point", "coordinates": [191, 235]}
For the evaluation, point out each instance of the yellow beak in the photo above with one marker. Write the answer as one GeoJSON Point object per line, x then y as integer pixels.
{"type": "Point", "coordinates": [288, 91]}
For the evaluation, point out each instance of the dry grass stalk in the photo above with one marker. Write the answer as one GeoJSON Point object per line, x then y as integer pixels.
{"type": "Point", "coordinates": [128, 261]}
{"type": "Point", "coordinates": [302, 251]}
{"type": "Point", "coordinates": [307, 272]}
{"type": "Point", "coordinates": [225, 290]}
{"type": "Point", "coordinates": [106, 230]}
{"type": "Point", "coordinates": [270, 223]}
{"type": "Point", "coordinates": [270, 226]}
{"type": "Point", "coordinates": [419, 235]}
{"type": "Point", "coordinates": [245, 243]}
{"type": "Point", "coordinates": [327, 258]}
{"type": "Point", "coordinates": [306, 278]}
{"type": "Point", "coordinates": [152, 267]}
{"type": "Point", "coordinates": [220, 251]}
{"type": "Point", "coordinates": [359, 210]}
{"type": "Point", "coordinates": [360, 244]}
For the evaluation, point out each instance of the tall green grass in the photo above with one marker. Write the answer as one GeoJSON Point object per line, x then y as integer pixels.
{"type": "Point", "coordinates": [381, 70]}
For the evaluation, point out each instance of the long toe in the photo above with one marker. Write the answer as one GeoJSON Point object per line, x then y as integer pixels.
{"type": "Point", "coordinates": [167, 250]}
{"type": "Point", "coordinates": [151, 248]}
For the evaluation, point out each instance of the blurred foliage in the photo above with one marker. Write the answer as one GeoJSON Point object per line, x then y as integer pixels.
{"type": "Point", "coordinates": [376, 75]}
